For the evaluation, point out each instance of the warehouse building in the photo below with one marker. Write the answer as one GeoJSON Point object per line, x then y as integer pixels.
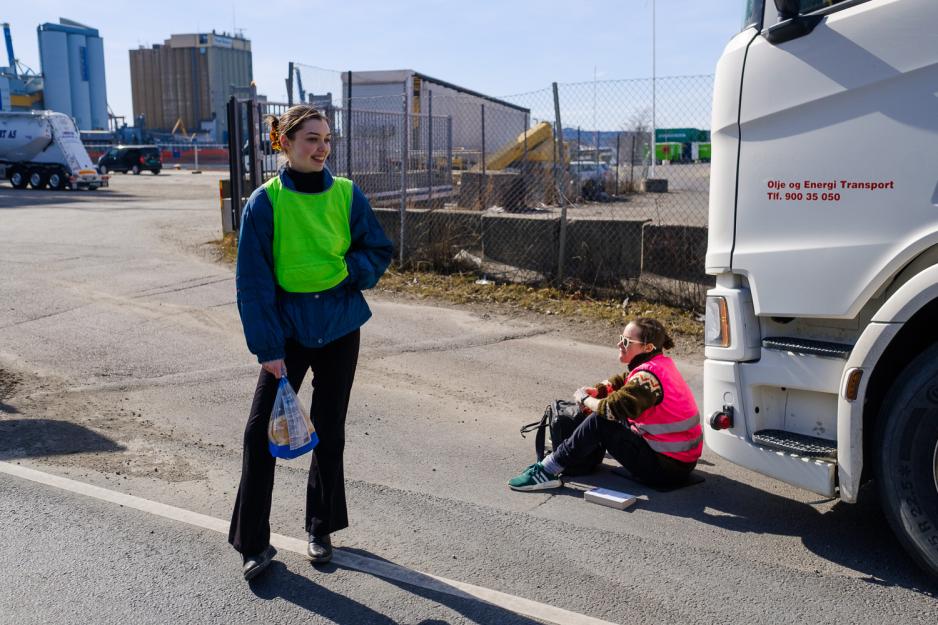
{"type": "Point", "coordinates": [385, 91]}
{"type": "Point", "coordinates": [72, 58]}
{"type": "Point", "coordinates": [190, 78]}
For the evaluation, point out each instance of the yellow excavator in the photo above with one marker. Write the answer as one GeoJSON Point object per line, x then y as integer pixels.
{"type": "Point", "coordinates": [180, 125]}
{"type": "Point", "coordinates": [540, 149]}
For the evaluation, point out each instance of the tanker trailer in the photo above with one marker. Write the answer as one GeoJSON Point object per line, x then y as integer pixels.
{"type": "Point", "coordinates": [43, 149]}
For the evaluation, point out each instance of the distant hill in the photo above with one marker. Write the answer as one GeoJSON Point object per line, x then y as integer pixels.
{"type": "Point", "coordinates": [607, 138]}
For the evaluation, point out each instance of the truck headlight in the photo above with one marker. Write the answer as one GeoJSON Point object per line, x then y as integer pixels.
{"type": "Point", "coordinates": [717, 324]}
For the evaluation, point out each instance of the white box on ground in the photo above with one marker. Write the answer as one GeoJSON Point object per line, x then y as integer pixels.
{"type": "Point", "coordinates": [611, 498]}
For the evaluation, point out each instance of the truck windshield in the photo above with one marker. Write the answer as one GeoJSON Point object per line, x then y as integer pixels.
{"type": "Point", "coordinates": [752, 15]}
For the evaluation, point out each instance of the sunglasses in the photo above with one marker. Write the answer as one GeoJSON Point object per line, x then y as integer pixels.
{"type": "Point", "coordinates": [627, 342]}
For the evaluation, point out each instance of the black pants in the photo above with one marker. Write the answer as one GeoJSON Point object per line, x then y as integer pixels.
{"type": "Point", "coordinates": [333, 367]}
{"type": "Point", "coordinates": [628, 448]}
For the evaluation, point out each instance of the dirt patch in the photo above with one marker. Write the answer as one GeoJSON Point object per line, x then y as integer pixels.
{"type": "Point", "coordinates": [9, 382]}
{"type": "Point", "coordinates": [58, 426]}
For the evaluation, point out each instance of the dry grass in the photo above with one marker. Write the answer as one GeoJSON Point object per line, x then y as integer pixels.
{"type": "Point", "coordinates": [228, 247]}
{"type": "Point", "coordinates": [466, 289]}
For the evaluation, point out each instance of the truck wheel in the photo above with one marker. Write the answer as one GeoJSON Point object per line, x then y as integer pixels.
{"type": "Point", "coordinates": [38, 180]}
{"type": "Point", "coordinates": [906, 460]}
{"type": "Point", "coordinates": [18, 178]}
{"type": "Point", "coordinates": [136, 170]}
{"type": "Point", "coordinates": [57, 181]}
{"type": "Point", "coordinates": [102, 169]}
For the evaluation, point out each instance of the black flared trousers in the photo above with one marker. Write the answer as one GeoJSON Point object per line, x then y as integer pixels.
{"type": "Point", "coordinates": [627, 447]}
{"type": "Point", "coordinates": [333, 367]}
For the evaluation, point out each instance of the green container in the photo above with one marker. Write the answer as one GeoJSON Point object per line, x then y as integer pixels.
{"type": "Point", "coordinates": [669, 151]}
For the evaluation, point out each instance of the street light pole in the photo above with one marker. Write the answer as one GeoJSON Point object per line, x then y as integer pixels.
{"type": "Point", "coordinates": [654, 147]}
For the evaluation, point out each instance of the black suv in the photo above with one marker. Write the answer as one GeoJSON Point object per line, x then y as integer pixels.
{"type": "Point", "coordinates": [133, 158]}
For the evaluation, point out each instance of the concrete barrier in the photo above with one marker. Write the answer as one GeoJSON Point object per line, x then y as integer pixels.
{"type": "Point", "coordinates": [599, 251]}
{"type": "Point", "coordinates": [654, 185]}
{"type": "Point", "coordinates": [501, 188]}
{"type": "Point", "coordinates": [432, 234]}
{"type": "Point", "coordinates": [603, 251]}
{"type": "Point", "coordinates": [677, 252]}
{"type": "Point", "coordinates": [524, 242]}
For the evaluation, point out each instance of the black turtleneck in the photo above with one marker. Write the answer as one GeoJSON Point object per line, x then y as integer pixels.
{"type": "Point", "coordinates": [643, 358]}
{"type": "Point", "coordinates": [306, 182]}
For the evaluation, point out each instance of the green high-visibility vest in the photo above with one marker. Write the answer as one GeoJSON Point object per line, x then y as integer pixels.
{"type": "Point", "coordinates": [311, 235]}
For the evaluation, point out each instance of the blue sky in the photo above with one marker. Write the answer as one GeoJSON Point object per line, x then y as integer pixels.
{"type": "Point", "coordinates": [497, 47]}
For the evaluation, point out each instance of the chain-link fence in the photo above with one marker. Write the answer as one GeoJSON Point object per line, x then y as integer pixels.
{"type": "Point", "coordinates": [464, 181]}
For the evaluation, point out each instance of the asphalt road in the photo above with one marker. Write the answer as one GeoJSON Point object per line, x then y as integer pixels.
{"type": "Point", "coordinates": [122, 365]}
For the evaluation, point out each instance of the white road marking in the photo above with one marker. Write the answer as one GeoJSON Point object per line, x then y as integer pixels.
{"type": "Point", "coordinates": [387, 570]}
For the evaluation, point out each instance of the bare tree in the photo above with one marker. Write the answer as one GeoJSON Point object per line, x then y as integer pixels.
{"type": "Point", "coordinates": [637, 143]}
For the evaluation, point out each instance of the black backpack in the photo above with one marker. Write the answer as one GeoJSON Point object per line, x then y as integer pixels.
{"type": "Point", "coordinates": [560, 419]}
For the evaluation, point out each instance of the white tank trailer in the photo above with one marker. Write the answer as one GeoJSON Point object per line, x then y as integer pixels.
{"type": "Point", "coordinates": [43, 149]}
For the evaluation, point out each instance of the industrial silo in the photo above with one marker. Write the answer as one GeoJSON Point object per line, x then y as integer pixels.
{"type": "Point", "coordinates": [53, 54]}
{"type": "Point", "coordinates": [96, 84]}
{"type": "Point", "coordinates": [78, 80]}
{"type": "Point", "coordinates": [72, 56]}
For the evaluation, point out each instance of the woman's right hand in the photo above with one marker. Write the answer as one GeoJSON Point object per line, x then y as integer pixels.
{"type": "Point", "coordinates": [275, 367]}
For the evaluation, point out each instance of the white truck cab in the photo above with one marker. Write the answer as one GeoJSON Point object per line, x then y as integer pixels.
{"type": "Point", "coordinates": [822, 331]}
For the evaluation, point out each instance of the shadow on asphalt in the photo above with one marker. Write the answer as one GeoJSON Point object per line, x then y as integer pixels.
{"type": "Point", "coordinates": [470, 607]}
{"type": "Point", "coordinates": [856, 536]}
{"type": "Point", "coordinates": [280, 582]}
{"type": "Point", "coordinates": [33, 438]}
{"type": "Point", "coordinates": [31, 198]}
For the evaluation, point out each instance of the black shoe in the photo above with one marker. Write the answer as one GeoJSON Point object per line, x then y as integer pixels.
{"type": "Point", "coordinates": [255, 565]}
{"type": "Point", "coordinates": [319, 549]}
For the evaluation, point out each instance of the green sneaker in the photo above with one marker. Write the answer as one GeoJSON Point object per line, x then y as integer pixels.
{"type": "Point", "coordinates": [535, 477]}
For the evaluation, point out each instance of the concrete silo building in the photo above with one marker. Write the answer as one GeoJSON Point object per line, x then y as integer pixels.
{"type": "Point", "coordinates": [72, 58]}
{"type": "Point", "coordinates": [190, 77]}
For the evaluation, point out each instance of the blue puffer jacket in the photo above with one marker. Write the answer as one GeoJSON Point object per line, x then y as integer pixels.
{"type": "Point", "coordinates": [271, 315]}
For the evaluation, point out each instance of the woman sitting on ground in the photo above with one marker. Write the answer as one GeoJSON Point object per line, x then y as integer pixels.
{"type": "Point", "coordinates": [646, 419]}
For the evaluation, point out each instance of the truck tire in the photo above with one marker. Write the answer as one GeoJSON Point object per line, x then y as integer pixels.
{"type": "Point", "coordinates": [102, 169]}
{"type": "Point", "coordinates": [136, 170]}
{"type": "Point", "coordinates": [58, 180]}
{"type": "Point", "coordinates": [18, 178]}
{"type": "Point", "coordinates": [38, 179]}
{"type": "Point", "coordinates": [906, 459]}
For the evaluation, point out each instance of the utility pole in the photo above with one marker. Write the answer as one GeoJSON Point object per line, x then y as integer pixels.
{"type": "Point", "coordinates": [654, 147]}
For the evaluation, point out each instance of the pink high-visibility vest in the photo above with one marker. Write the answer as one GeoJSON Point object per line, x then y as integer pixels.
{"type": "Point", "coordinates": [672, 427]}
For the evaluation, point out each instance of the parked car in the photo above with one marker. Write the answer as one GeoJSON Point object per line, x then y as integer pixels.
{"type": "Point", "coordinates": [589, 170]}
{"type": "Point", "coordinates": [132, 158]}
{"type": "Point", "coordinates": [590, 177]}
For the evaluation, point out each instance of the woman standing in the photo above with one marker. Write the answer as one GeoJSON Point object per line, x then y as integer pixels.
{"type": "Point", "coordinates": [309, 245]}
{"type": "Point", "coordinates": [646, 419]}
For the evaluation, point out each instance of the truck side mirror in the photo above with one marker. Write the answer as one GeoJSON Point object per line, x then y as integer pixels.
{"type": "Point", "coordinates": [788, 9]}
{"type": "Point", "coordinates": [792, 24]}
